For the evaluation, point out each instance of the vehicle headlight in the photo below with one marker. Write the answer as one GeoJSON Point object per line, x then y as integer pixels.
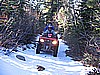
{"type": "Point", "coordinates": [54, 42]}
{"type": "Point", "coordinates": [41, 40]}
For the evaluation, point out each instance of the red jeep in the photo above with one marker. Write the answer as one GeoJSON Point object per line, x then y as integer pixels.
{"type": "Point", "coordinates": [49, 43]}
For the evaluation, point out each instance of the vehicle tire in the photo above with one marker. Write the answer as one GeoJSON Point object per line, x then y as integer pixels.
{"type": "Point", "coordinates": [55, 52]}
{"type": "Point", "coordinates": [38, 49]}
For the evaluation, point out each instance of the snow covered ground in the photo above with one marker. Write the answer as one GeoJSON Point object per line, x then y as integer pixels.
{"type": "Point", "coordinates": [61, 65]}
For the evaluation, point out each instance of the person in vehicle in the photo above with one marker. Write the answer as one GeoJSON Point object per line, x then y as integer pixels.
{"type": "Point", "coordinates": [49, 31]}
{"type": "Point", "coordinates": [50, 24]}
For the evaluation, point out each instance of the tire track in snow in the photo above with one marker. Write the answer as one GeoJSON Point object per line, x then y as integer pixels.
{"type": "Point", "coordinates": [56, 66]}
{"type": "Point", "coordinates": [50, 60]}
{"type": "Point", "coordinates": [24, 66]}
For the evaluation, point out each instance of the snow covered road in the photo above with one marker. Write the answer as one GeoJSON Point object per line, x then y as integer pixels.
{"type": "Point", "coordinates": [61, 65]}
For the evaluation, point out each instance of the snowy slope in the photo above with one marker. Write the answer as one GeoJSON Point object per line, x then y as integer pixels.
{"type": "Point", "coordinates": [61, 65]}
